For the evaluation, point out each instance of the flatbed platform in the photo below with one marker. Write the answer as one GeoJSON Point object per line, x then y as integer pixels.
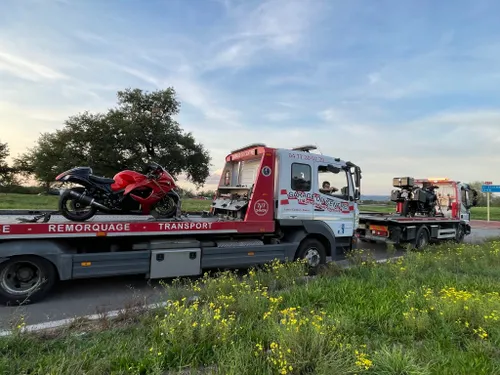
{"type": "Point", "coordinates": [394, 218]}
{"type": "Point", "coordinates": [113, 225]}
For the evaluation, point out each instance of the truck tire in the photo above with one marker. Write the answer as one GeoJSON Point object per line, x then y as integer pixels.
{"type": "Point", "coordinates": [25, 279]}
{"type": "Point", "coordinates": [314, 252]}
{"type": "Point", "coordinates": [459, 238]}
{"type": "Point", "coordinates": [422, 238]}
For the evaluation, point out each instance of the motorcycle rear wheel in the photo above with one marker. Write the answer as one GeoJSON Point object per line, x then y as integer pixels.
{"type": "Point", "coordinates": [71, 215]}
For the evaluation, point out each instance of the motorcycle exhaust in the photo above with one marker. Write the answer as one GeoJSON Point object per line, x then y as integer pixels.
{"type": "Point", "coordinates": [89, 201]}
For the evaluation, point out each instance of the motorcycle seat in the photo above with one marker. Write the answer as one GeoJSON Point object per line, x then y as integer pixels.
{"type": "Point", "coordinates": [102, 180]}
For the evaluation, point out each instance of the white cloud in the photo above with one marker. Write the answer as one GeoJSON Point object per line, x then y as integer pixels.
{"type": "Point", "coordinates": [91, 37]}
{"type": "Point", "coordinates": [194, 93]}
{"type": "Point", "coordinates": [274, 26]}
{"type": "Point", "coordinates": [277, 116]}
{"type": "Point", "coordinates": [26, 69]}
{"type": "Point", "coordinates": [373, 78]}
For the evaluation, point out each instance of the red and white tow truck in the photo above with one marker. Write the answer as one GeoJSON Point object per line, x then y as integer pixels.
{"type": "Point", "coordinates": [270, 204]}
{"type": "Point", "coordinates": [452, 221]}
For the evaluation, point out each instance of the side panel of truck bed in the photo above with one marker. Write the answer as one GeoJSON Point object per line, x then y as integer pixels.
{"type": "Point", "coordinates": [101, 228]}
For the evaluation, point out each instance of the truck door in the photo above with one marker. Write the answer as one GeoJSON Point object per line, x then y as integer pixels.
{"type": "Point", "coordinates": [467, 200]}
{"type": "Point", "coordinates": [294, 187]}
{"type": "Point", "coordinates": [334, 192]}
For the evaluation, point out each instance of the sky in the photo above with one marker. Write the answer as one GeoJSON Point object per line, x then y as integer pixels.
{"type": "Point", "coordinates": [397, 87]}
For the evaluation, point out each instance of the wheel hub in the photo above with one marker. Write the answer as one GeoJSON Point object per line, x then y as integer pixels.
{"type": "Point", "coordinates": [312, 256]}
{"type": "Point", "coordinates": [24, 274]}
{"type": "Point", "coordinates": [164, 206]}
{"type": "Point", "coordinates": [422, 240]}
{"type": "Point", "coordinates": [20, 278]}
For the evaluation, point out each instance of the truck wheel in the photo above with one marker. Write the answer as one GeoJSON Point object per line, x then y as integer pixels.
{"type": "Point", "coordinates": [25, 279]}
{"type": "Point", "coordinates": [314, 252]}
{"type": "Point", "coordinates": [459, 238]}
{"type": "Point", "coordinates": [422, 238]}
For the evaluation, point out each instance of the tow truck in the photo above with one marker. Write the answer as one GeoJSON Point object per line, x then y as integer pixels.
{"type": "Point", "coordinates": [451, 221]}
{"type": "Point", "coordinates": [270, 204]}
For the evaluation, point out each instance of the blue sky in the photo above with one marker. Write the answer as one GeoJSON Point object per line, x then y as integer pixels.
{"type": "Point", "coordinates": [400, 88]}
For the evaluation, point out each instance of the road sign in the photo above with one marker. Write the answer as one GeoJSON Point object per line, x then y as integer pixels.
{"type": "Point", "coordinates": [490, 188]}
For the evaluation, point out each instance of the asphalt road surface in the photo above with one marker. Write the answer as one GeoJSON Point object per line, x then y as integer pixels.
{"type": "Point", "coordinates": [83, 297]}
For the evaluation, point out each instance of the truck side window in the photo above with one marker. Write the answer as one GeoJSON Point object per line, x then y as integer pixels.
{"type": "Point", "coordinates": [301, 177]}
{"type": "Point", "coordinates": [335, 184]}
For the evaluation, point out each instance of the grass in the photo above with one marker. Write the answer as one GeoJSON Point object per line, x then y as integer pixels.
{"type": "Point", "coordinates": [27, 201]}
{"type": "Point", "coordinates": [433, 312]}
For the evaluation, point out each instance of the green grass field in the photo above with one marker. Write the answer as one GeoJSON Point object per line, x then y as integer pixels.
{"type": "Point", "coordinates": [433, 312]}
{"type": "Point", "coordinates": [26, 201]}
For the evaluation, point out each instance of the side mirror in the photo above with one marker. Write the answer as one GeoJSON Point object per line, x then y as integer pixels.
{"type": "Point", "coordinates": [357, 194]}
{"type": "Point", "coordinates": [333, 169]}
{"type": "Point", "coordinates": [357, 177]}
{"type": "Point", "coordinates": [474, 198]}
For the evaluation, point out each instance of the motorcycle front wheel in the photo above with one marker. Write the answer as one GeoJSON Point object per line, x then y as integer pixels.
{"type": "Point", "coordinates": [75, 210]}
{"type": "Point", "coordinates": [166, 208]}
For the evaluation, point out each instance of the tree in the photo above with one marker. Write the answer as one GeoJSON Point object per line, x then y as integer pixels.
{"type": "Point", "coordinates": [6, 172]}
{"type": "Point", "coordinates": [141, 128]}
{"type": "Point", "coordinates": [481, 197]}
{"type": "Point", "coordinates": [47, 159]}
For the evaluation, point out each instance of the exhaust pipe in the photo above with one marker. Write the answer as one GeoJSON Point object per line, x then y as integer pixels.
{"type": "Point", "coordinates": [89, 201]}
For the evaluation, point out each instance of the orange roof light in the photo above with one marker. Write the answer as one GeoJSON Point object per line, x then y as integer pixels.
{"type": "Point", "coordinates": [438, 179]}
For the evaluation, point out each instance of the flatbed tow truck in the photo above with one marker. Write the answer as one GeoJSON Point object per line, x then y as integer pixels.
{"type": "Point", "coordinates": [450, 223]}
{"type": "Point", "coordinates": [270, 204]}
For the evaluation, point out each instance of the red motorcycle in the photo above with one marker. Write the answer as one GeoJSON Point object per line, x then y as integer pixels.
{"type": "Point", "coordinates": [127, 193]}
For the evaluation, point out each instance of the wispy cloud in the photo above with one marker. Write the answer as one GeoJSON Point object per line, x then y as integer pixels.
{"type": "Point", "coordinates": [273, 26]}
{"type": "Point", "coordinates": [277, 116]}
{"type": "Point", "coordinates": [26, 69]}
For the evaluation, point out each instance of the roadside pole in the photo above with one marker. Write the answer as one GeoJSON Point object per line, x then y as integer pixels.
{"type": "Point", "coordinates": [489, 188]}
{"type": "Point", "coordinates": [488, 206]}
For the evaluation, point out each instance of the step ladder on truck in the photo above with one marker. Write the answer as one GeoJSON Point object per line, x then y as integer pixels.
{"type": "Point", "coordinates": [428, 210]}
{"type": "Point", "coordinates": [271, 203]}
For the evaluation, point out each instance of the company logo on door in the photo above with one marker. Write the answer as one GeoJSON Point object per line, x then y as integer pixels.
{"type": "Point", "coordinates": [320, 202]}
{"type": "Point", "coordinates": [261, 207]}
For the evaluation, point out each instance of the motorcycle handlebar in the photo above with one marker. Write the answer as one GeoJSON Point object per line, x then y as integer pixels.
{"type": "Point", "coordinates": [157, 169]}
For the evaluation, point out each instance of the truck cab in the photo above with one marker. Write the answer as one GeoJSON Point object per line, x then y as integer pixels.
{"type": "Point", "coordinates": [317, 187]}
{"type": "Point", "coordinates": [294, 188]}
{"type": "Point", "coordinates": [455, 198]}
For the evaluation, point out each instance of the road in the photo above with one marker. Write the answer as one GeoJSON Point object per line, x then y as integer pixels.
{"type": "Point", "coordinates": [83, 297]}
